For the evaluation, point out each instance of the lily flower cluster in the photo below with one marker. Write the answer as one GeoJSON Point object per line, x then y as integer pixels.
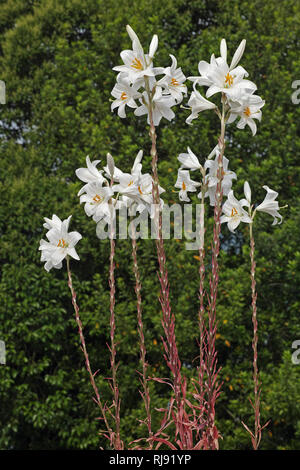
{"type": "Point", "coordinates": [104, 194]}
{"type": "Point", "coordinates": [238, 91]}
{"type": "Point", "coordinates": [234, 211]}
{"type": "Point", "coordinates": [136, 81]}
{"type": "Point", "coordinates": [60, 244]}
{"type": "Point", "coordinates": [209, 177]}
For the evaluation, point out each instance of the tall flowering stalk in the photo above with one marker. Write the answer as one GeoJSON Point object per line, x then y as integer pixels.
{"type": "Point", "coordinates": [233, 215]}
{"type": "Point", "coordinates": [168, 319]}
{"type": "Point", "coordinates": [238, 100]}
{"type": "Point", "coordinates": [212, 386]}
{"type": "Point", "coordinates": [114, 385]}
{"type": "Point", "coordinates": [201, 311]}
{"type": "Point", "coordinates": [156, 101]}
{"type": "Point", "coordinates": [97, 399]}
{"type": "Point", "coordinates": [145, 393]}
{"type": "Point", "coordinates": [257, 391]}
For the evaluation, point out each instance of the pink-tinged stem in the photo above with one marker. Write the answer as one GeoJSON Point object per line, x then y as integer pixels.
{"type": "Point", "coordinates": [201, 321]}
{"type": "Point", "coordinates": [212, 386]}
{"type": "Point", "coordinates": [118, 442]}
{"type": "Point", "coordinates": [97, 398]}
{"type": "Point", "coordinates": [257, 431]}
{"type": "Point", "coordinates": [201, 312]}
{"type": "Point", "coordinates": [168, 319]}
{"type": "Point", "coordinates": [256, 435]}
{"type": "Point", "coordinates": [138, 287]}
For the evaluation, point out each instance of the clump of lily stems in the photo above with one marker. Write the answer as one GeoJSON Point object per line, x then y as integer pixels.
{"type": "Point", "coordinates": [208, 388]}
{"type": "Point", "coordinates": [168, 319]}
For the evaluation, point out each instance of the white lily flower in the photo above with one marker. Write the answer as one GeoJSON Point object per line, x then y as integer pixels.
{"type": "Point", "coordinates": [136, 188]}
{"type": "Point", "coordinates": [198, 104]}
{"type": "Point", "coordinates": [189, 160]}
{"type": "Point", "coordinates": [60, 244]}
{"type": "Point", "coordinates": [173, 80]}
{"type": "Point", "coordinates": [127, 185]}
{"type": "Point", "coordinates": [138, 65]}
{"type": "Point", "coordinates": [212, 177]}
{"type": "Point", "coordinates": [125, 94]}
{"type": "Point", "coordinates": [161, 106]}
{"type": "Point", "coordinates": [247, 107]}
{"type": "Point", "coordinates": [97, 200]}
{"type": "Point", "coordinates": [90, 174]}
{"type": "Point", "coordinates": [270, 206]}
{"type": "Point", "coordinates": [186, 184]}
{"type": "Point", "coordinates": [234, 212]}
{"type": "Point", "coordinates": [220, 77]}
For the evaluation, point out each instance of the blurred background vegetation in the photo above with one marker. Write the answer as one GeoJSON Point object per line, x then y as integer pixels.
{"type": "Point", "coordinates": [56, 59]}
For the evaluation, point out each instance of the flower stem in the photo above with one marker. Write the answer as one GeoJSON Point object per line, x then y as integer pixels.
{"type": "Point", "coordinates": [256, 406]}
{"type": "Point", "coordinates": [201, 312]}
{"type": "Point", "coordinates": [212, 386]}
{"type": "Point", "coordinates": [138, 287]}
{"type": "Point", "coordinates": [118, 442]}
{"type": "Point", "coordinates": [97, 397]}
{"type": "Point", "coordinates": [168, 319]}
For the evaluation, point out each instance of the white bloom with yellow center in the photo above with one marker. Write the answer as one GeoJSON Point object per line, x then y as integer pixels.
{"type": "Point", "coordinates": [248, 107]}
{"type": "Point", "coordinates": [220, 77]}
{"type": "Point", "coordinates": [60, 244]}
{"type": "Point", "coordinates": [185, 184]}
{"type": "Point", "coordinates": [97, 199]}
{"type": "Point", "coordinates": [173, 81]}
{"type": "Point", "coordinates": [136, 188]}
{"type": "Point", "coordinates": [234, 212]}
{"type": "Point", "coordinates": [125, 94]}
{"type": "Point", "coordinates": [211, 178]}
{"type": "Point", "coordinates": [161, 106]}
{"type": "Point", "coordinates": [137, 64]}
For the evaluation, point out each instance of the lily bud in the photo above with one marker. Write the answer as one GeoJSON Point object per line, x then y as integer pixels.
{"type": "Point", "coordinates": [110, 165]}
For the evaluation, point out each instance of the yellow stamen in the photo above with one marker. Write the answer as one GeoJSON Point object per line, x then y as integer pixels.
{"type": "Point", "coordinates": [247, 111]}
{"type": "Point", "coordinates": [140, 191]}
{"type": "Point", "coordinates": [234, 212]}
{"type": "Point", "coordinates": [97, 198]}
{"type": "Point", "coordinates": [183, 186]}
{"type": "Point", "coordinates": [131, 182]}
{"type": "Point", "coordinates": [174, 82]}
{"type": "Point", "coordinates": [123, 96]}
{"type": "Point", "coordinates": [137, 64]}
{"type": "Point", "coordinates": [62, 243]}
{"type": "Point", "coordinates": [228, 80]}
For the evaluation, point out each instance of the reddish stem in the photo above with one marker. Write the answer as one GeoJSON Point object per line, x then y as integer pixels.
{"type": "Point", "coordinates": [257, 430]}
{"type": "Point", "coordinates": [118, 442]}
{"type": "Point", "coordinates": [138, 287]}
{"type": "Point", "coordinates": [97, 398]}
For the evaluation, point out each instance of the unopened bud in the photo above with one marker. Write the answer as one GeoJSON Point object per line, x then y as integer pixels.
{"type": "Point", "coordinates": [110, 165]}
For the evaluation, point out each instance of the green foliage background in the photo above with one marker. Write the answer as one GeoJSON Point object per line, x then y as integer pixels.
{"type": "Point", "coordinates": [56, 60]}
